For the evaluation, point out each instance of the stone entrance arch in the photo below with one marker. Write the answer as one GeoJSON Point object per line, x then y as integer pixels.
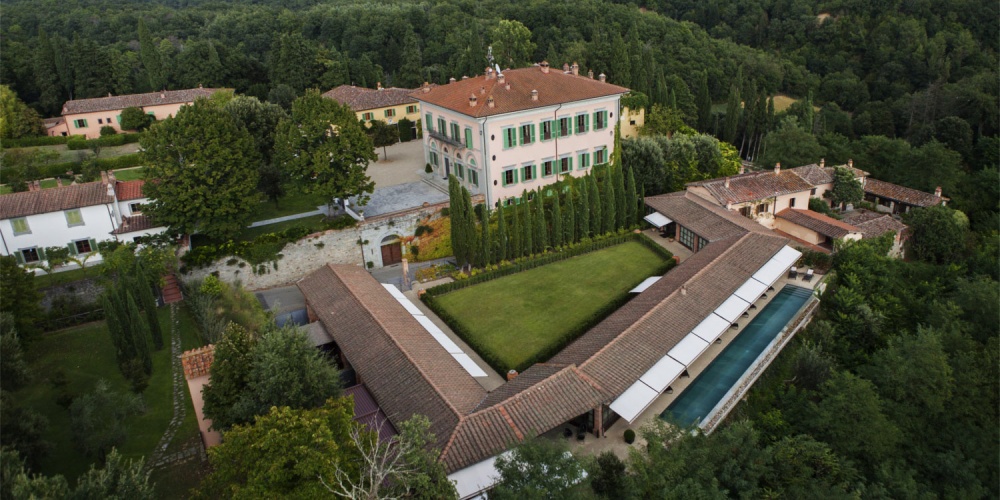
{"type": "Point", "coordinates": [392, 250]}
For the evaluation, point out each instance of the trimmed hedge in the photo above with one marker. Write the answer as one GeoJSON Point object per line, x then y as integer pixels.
{"type": "Point", "coordinates": [431, 295]}
{"type": "Point", "coordinates": [60, 169]}
{"type": "Point", "coordinates": [76, 143]}
{"type": "Point", "coordinates": [30, 142]}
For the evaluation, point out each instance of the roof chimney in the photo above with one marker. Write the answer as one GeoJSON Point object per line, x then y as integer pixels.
{"type": "Point", "coordinates": [489, 73]}
{"type": "Point", "coordinates": [822, 162]}
{"type": "Point", "coordinates": [684, 290]}
{"type": "Point", "coordinates": [850, 163]}
{"type": "Point", "coordinates": [111, 176]}
{"type": "Point", "coordinates": [472, 100]}
{"type": "Point", "coordinates": [727, 182]}
{"type": "Point", "coordinates": [501, 79]}
{"type": "Point", "coordinates": [111, 189]}
{"type": "Point", "coordinates": [545, 67]}
{"type": "Point", "coordinates": [109, 94]}
{"type": "Point", "coordinates": [163, 95]}
{"type": "Point", "coordinates": [937, 191]}
{"type": "Point", "coordinates": [590, 73]}
{"type": "Point", "coordinates": [511, 375]}
{"type": "Point", "coordinates": [450, 80]}
{"type": "Point", "coordinates": [743, 168]}
{"type": "Point", "coordinates": [777, 168]}
{"type": "Point", "coordinates": [427, 87]}
{"type": "Point", "coordinates": [534, 97]}
{"type": "Point", "coordinates": [59, 181]}
{"type": "Point", "coordinates": [602, 77]}
{"type": "Point", "coordinates": [575, 68]}
{"type": "Point", "coordinates": [104, 176]}
{"type": "Point", "coordinates": [565, 67]}
{"type": "Point", "coordinates": [465, 77]}
{"type": "Point", "coordinates": [378, 85]}
{"type": "Point", "coordinates": [482, 90]}
{"type": "Point", "coordinates": [489, 102]}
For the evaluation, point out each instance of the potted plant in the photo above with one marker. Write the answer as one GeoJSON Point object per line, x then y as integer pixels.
{"type": "Point", "coordinates": [629, 436]}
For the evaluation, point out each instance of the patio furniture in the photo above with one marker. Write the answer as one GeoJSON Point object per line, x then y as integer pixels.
{"type": "Point", "coordinates": [793, 273]}
{"type": "Point", "coordinates": [808, 276]}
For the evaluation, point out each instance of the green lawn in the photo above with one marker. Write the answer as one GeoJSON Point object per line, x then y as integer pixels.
{"type": "Point", "coordinates": [130, 174]}
{"type": "Point", "coordinates": [85, 354]}
{"type": "Point", "coordinates": [314, 223]}
{"type": "Point", "coordinates": [293, 202]}
{"type": "Point", "coordinates": [62, 277]}
{"type": "Point", "coordinates": [518, 316]}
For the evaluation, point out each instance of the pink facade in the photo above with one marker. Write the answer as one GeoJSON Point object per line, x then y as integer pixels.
{"type": "Point", "coordinates": [90, 124]}
{"type": "Point", "coordinates": [521, 150]}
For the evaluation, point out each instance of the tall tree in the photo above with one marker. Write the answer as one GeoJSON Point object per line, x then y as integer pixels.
{"type": "Point", "coordinates": [596, 209]}
{"type": "Point", "coordinates": [50, 96]}
{"type": "Point", "coordinates": [537, 469]}
{"type": "Point", "coordinates": [90, 69]}
{"type": "Point", "coordinates": [503, 240]}
{"type": "Point", "coordinates": [19, 297]}
{"type": "Point", "coordinates": [516, 234]}
{"type": "Point", "coordinates": [511, 42]}
{"type": "Point", "coordinates": [704, 104]}
{"type": "Point", "coordinates": [541, 230]}
{"type": "Point", "coordinates": [293, 62]}
{"type": "Point", "coordinates": [582, 185]}
{"type": "Point", "coordinates": [609, 207]}
{"type": "Point", "coordinates": [98, 419]}
{"type": "Point", "coordinates": [846, 189]}
{"type": "Point", "coordinates": [734, 110]}
{"type": "Point", "coordinates": [325, 150]}
{"type": "Point", "coordinates": [144, 291]}
{"type": "Point", "coordinates": [206, 167]}
{"type": "Point", "coordinates": [529, 228]}
{"type": "Point", "coordinates": [486, 242]}
{"type": "Point", "coordinates": [621, 203]}
{"type": "Point", "coordinates": [569, 225]}
{"type": "Point", "coordinates": [632, 201]}
{"type": "Point", "coordinates": [16, 119]}
{"type": "Point", "coordinates": [557, 223]}
{"type": "Point", "coordinates": [621, 68]}
{"type": "Point", "coordinates": [938, 234]}
{"type": "Point", "coordinates": [149, 53]}
{"type": "Point", "coordinates": [411, 66]}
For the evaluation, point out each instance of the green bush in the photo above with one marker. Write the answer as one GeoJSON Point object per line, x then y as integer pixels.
{"type": "Point", "coordinates": [77, 142]}
{"type": "Point", "coordinates": [821, 206]}
{"type": "Point", "coordinates": [108, 130]}
{"type": "Point", "coordinates": [341, 222]}
{"type": "Point", "coordinates": [429, 169]}
{"type": "Point", "coordinates": [30, 142]}
{"type": "Point", "coordinates": [629, 436]}
{"type": "Point", "coordinates": [422, 230]}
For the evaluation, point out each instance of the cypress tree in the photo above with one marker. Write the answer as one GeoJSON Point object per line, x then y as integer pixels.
{"type": "Point", "coordinates": [503, 244]}
{"type": "Point", "coordinates": [569, 226]}
{"type": "Point", "coordinates": [149, 54]}
{"type": "Point", "coordinates": [704, 103]}
{"type": "Point", "coordinates": [46, 76]}
{"type": "Point", "coordinates": [145, 293]}
{"type": "Point", "coordinates": [486, 239]}
{"type": "Point", "coordinates": [114, 322]}
{"type": "Point", "coordinates": [608, 197]}
{"type": "Point", "coordinates": [632, 207]}
{"type": "Point", "coordinates": [732, 116]}
{"type": "Point", "coordinates": [594, 197]}
{"type": "Point", "coordinates": [621, 213]}
{"type": "Point", "coordinates": [517, 244]}
{"type": "Point", "coordinates": [528, 228]}
{"type": "Point", "coordinates": [455, 209]}
{"type": "Point", "coordinates": [583, 208]}
{"type": "Point", "coordinates": [469, 231]}
{"type": "Point", "coordinates": [541, 235]}
{"type": "Point", "coordinates": [139, 332]}
{"type": "Point", "coordinates": [557, 223]}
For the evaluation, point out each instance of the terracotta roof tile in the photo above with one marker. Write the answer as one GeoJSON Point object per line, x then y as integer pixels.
{"type": "Point", "coordinates": [873, 224]}
{"type": "Point", "coordinates": [405, 371]}
{"type": "Point", "coordinates": [119, 102]}
{"type": "Point", "coordinates": [753, 186]}
{"type": "Point", "coordinates": [360, 98]}
{"type": "Point", "coordinates": [817, 175]}
{"type": "Point", "coordinates": [134, 223]}
{"type": "Point", "coordinates": [815, 221]}
{"type": "Point", "coordinates": [554, 87]}
{"type": "Point", "coordinates": [705, 218]}
{"type": "Point", "coordinates": [903, 194]}
{"type": "Point", "coordinates": [129, 190]}
{"type": "Point", "coordinates": [53, 200]}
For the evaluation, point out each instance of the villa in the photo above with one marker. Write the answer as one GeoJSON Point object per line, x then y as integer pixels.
{"type": "Point", "coordinates": [86, 117]}
{"type": "Point", "coordinates": [505, 132]}
{"type": "Point", "coordinates": [388, 105]}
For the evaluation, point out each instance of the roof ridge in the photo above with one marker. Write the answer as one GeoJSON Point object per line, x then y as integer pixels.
{"type": "Point", "coordinates": [406, 353]}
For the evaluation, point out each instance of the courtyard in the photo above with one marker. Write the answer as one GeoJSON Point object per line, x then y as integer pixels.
{"type": "Point", "coordinates": [517, 320]}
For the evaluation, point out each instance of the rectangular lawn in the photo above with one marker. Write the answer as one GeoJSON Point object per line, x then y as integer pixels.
{"type": "Point", "coordinates": [518, 316]}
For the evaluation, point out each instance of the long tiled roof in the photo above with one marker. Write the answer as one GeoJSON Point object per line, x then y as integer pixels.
{"type": "Point", "coordinates": [554, 87]}
{"type": "Point", "coordinates": [129, 190]}
{"type": "Point", "coordinates": [705, 218]}
{"type": "Point", "coordinates": [818, 175]}
{"type": "Point", "coordinates": [753, 186]}
{"type": "Point", "coordinates": [361, 99]}
{"type": "Point", "coordinates": [53, 200]}
{"type": "Point", "coordinates": [873, 224]}
{"type": "Point", "coordinates": [906, 195]}
{"type": "Point", "coordinates": [822, 224]}
{"type": "Point", "coordinates": [119, 102]}
{"type": "Point", "coordinates": [406, 372]}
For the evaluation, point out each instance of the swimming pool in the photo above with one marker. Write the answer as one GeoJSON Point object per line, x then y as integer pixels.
{"type": "Point", "coordinates": [713, 383]}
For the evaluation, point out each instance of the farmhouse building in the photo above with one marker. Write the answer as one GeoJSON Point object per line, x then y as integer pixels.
{"type": "Point", "coordinates": [76, 216]}
{"type": "Point", "coordinates": [519, 129]}
{"type": "Point", "coordinates": [86, 117]}
{"type": "Point", "coordinates": [388, 105]}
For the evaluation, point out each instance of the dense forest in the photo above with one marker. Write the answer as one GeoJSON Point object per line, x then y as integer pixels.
{"type": "Point", "coordinates": [893, 390]}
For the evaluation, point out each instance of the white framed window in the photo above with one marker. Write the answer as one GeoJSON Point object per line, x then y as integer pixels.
{"type": "Point", "coordinates": [389, 113]}
{"type": "Point", "coordinates": [548, 167]}
{"type": "Point", "coordinates": [509, 137]}
{"type": "Point", "coordinates": [135, 208]}
{"type": "Point", "coordinates": [473, 177]}
{"type": "Point", "coordinates": [84, 246]}
{"type": "Point", "coordinates": [29, 255]}
{"type": "Point", "coordinates": [528, 172]}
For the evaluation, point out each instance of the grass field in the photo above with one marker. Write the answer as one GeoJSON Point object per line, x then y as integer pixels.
{"type": "Point", "coordinates": [85, 354]}
{"type": "Point", "coordinates": [130, 174]}
{"type": "Point", "coordinates": [520, 315]}
{"type": "Point", "coordinates": [62, 277]}
{"type": "Point", "coordinates": [293, 202]}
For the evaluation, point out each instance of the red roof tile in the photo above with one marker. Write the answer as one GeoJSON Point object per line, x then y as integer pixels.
{"type": "Point", "coordinates": [554, 87]}
{"type": "Point", "coordinates": [119, 102]}
{"type": "Point", "coordinates": [134, 223]}
{"type": "Point", "coordinates": [53, 200]}
{"type": "Point", "coordinates": [815, 221]}
{"type": "Point", "coordinates": [360, 98]}
{"type": "Point", "coordinates": [129, 190]}
{"type": "Point", "coordinates": [753, 186]}
{"type": "Point", "coordinates": [706, 219]}
{"type": "Point", "coordinates": [903, 194]}
{"type": "Point", "coordinates": [873, 224]}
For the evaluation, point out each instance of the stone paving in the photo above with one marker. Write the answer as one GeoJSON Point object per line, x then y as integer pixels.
{"type": "Point", "coordinates": [159, 458]}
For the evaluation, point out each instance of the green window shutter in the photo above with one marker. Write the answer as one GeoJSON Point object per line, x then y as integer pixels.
{"type": "Point", "coordinates": [119, 119]}
{"type": "Point", "coordinates": [503, 179]}
{"type": "Point", "coordinates": [586, 121]}
{"type": "Point", "coordinates": [41, 254]}
{"type": "Point", "coordinates": [532, 132]}
{"type": "Point", "coordinates": [468, 137]}
{"type": "Point", "coordinates": [93, 245]}
{"type": "Point", "coordinates": [516, 177]}
{"type": "Point", "coordinates": [534, 171]}
{"type": "Point", "coordinates": [20, 257]}
{"type": "Point", "coordinates": [429, 123]}
{"type": "Point", "coordinates": [506, 137]}
{"type": "Point", "coordinates": [72, 248]}
{"type": "Point", "coordinates": [84, 122]}
{"type": "Point", "coordinates": [570, 163]}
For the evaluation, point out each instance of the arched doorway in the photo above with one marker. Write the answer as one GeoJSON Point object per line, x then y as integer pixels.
{"type": "Point", "coordinates": [392, 250]}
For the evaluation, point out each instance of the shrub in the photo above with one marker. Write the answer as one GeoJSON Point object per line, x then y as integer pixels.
{"type": "Point", "coordinates": [77, 142]}
{"type": "Point", "coordinates": [135, 119]}
{"type": "Point", "coordinates": [429, 169]}
{"type": "Point", "coordinates": [108, 130]}
{"type": "Point", "coordinates": [629, 436]}
{"type": "Point", "coordinates": [820, 206]}
{"type": "Point", "coordinates": [340, 222]}
{"type": "Point", "coordinates": [422, 230]}
{"type": "Point", "coordinates": [211, 286]}
{"type": "Point", "coordinates": [29, 142]}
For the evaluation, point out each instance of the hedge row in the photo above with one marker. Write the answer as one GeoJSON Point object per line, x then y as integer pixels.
{"type": "Point", "coordinates": [431, 295]}
{"type": "Point", "coordinates": [79, 142]}
{"type": "Point", "coordinates": [261, 249]}
{"type": "Point", "coordinates": [60, 169]}
{"type": "Point", "coordinates": [30, 142]}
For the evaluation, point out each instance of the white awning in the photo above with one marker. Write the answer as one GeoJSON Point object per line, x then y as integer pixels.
{"type": "Point", "coordinates": [688, 349]}
{"type": "Point", "coordinates": [634, 400]}
{"type": "Point", "coordinates": [410, 307]}
{"type": "Point", "coordinates": [751, 290]}
{"type": "Point", "coordinates": [475, 478]}
{"type": "Point", "coordinates": [732, 308]}
{"type": "Point", "coordinates": [770, 272]}
{"type": "Point", "coordinates": [646, 283]}
{"type": "Point", "coordinates": [396, 294]}
{"type": "Point", "coordinates": [469, 365]}
{"type": "Point", "coordinates": [662, 374]}
{"type": "Point", "coordinates": [711, 327]}
{"type": "Point", "coordinates": [657, 219]}
{"type": "Point", "coordinates": [428, 325]}
{"type": "Point", "coordinates": [787, 256]}
{"type": "Point", "coordinates": [447, 343]}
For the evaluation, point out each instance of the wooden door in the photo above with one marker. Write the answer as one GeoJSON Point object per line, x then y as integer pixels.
{"type": "Point", "coordinates": [392, 254]}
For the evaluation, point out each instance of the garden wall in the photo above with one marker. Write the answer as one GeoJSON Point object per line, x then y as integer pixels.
{"type": "Point", "coordinates": [397, 226]}
{"type": "Point", "coordinates": [299, 259]}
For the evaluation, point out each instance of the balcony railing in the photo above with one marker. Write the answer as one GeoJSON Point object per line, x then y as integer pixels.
{"type": "Point", "coordinates": [447, 140]}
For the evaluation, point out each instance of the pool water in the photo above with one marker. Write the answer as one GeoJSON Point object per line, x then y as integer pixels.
{"type": "Point", "coordinates": [725, 370]}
